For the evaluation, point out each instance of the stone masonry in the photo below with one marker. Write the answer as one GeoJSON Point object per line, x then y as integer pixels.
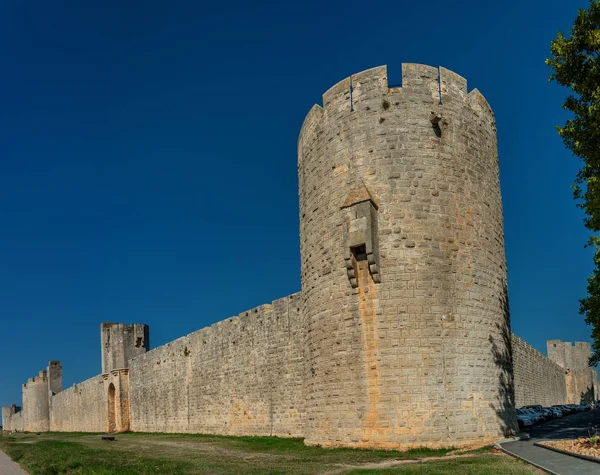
{"type": "Point", "coordinates": [400, 336]}
{"type": "Point", "coordinates": [538, 379]}
{"type": "Point", "coordinates": [581, 380]}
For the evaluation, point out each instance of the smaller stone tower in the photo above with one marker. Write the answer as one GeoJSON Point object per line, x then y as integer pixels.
{"type": "Point", "coordinates": [581, 380]}
{"type": "Point", "coordinates": [121, 342]}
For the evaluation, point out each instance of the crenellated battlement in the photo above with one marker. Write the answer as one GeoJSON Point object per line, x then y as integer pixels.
{"type": "Point", "coordinates": [358, 92]}
{"type": "Point", "coordinates": [42, 377]}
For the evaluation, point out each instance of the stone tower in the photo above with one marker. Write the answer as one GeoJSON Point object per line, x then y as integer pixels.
{"type": "Point", "coordinates": [121, 342]}
{"type": "Point", "coordinates": [403, 264]}
{"type": "Point", "coordinates": [37, 394]}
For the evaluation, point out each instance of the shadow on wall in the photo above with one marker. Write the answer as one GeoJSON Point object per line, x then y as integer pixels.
{"type": "Point", "coordinates": [587, 397]}
{"type": "Point", "coordinates": [503, 358]}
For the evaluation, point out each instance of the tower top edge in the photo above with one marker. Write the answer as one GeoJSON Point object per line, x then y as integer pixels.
{"type": "Point", "coordinates": [417, 79]}
{"type": "Point", "coordinates": [126, 325]}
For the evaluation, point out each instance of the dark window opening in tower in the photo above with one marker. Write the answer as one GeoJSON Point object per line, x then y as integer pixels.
{"type": "Point", "coordinates": [359, 252]}
{"type": "Point", "coordinates": [138, 342]}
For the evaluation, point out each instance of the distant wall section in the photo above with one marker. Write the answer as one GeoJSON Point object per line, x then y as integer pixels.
{"type": "Point", "coordinates": [240, 376]}
{"type": "Point", "coordinates": [538, 380]}
{"type": "Point", "coordinates": [12, 418]}
{"type": "Point", "coordinates": [80, 408]}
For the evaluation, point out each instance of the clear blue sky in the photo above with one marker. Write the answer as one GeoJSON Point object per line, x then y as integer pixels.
{"type": "Point", "coordinates": [148, 158]}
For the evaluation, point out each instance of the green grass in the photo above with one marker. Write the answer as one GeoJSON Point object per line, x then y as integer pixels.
{"type": "Point", "coordinates": [143, 453]}
{"type": "Point", "coordinates": [482, 464]}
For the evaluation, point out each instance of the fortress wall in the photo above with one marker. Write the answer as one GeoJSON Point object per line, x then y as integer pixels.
{"type": "Point", "coordinates": [80, 408]}
{"type": "Point", "coordinates": [580, 385]}
{"type": "Point", "coordinates": [240, 376]}
{"type": "Point", "coordinates": [17, 422]}
{"type": "Point", "coordinates": [35, 404]}
{"type": "Point", "coordinates": [581, 380]}
{"type": "Point", "coordinates": [12, 418]}
{"type": "Point", "coordinates": [538, 380]}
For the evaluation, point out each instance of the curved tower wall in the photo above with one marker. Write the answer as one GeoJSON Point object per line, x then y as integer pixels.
{"type": "Point", "coordinates": [36, 408]}
{"type": "Point", "coordinates": [403, 264]}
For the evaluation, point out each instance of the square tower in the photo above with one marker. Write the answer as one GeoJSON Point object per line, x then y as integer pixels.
{"type": "Point", "coordinates": [121, 342]}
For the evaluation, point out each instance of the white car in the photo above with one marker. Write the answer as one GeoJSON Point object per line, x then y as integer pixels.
{"type": "Point", "coordinates": [524, 419]}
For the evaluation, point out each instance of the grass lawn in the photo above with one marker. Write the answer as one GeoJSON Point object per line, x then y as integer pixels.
{"type": "Point", "coordinates": [139, 453]}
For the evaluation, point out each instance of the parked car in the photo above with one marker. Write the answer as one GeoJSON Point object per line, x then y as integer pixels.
{"type": "Point", "coordinates": [556, 411]}
{"type": "Point", "coordinates": [536, 416]}
{"type": "Point", "coordinates": [524, 419]}
{"type": "Point", "coordinates": [560, 408]}
{"type": "Point", "coordinates": [539, 410]}
{"type": "Point", "coordinates": [567, 409]}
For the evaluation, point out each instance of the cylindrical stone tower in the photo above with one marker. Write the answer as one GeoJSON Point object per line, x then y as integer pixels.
{"type": "Point", "coordinates": [403, 266]}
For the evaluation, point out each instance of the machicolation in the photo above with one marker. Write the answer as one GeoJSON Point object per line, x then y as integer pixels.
{"type": "Point", "coordinates": [400, 336]}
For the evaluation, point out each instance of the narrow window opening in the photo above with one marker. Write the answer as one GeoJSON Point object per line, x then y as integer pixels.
{"type": "Point", "coordinates": [359, 252]}
{"type": "Point", "coordinates": [138, 342]}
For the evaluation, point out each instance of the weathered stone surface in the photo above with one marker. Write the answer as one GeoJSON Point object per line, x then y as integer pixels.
{"type": "Point", "coordinates": [241, 376]}
{"type": "Point", "coordinates": [581, 380]}
{"type": "Point", "coordinates": [122, 342]}
{"type": "Point", "coordinates": [36, 404]}
{"type": "Point", "coordinates": [12, 418]}
{"type": "Point", "coordinates": [82, 407]}
{"type": "Point", "coordinates": [538, 379]}
{"type": "Point", "coordinates": [420, 358]}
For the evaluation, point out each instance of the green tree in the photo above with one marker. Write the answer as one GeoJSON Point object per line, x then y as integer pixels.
{"type": "Point", "coordinates": [576, 64]}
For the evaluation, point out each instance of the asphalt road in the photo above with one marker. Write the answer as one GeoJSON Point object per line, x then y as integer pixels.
{"type": "Point", "coordinates": [568, 427]}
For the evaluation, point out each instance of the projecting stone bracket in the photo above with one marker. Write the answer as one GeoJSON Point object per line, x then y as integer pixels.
{"type": "Point", "coordinates": [438, 122]}
{"type": "Point", "coordinates": [361, 237]}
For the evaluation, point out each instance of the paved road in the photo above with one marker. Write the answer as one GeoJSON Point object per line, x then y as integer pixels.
{"type": "Point", "coordinates": [8, 467]}
{"type": "Point", "coordinates": [569, 427]}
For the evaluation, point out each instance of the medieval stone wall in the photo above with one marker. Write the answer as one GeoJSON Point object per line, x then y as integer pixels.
{"type": "Point", "coordinates": [18, 422]}
{"type": "Point", "coordinates": [12, 418]}
{"type": "Point", "coordinates": [580, 385]}
{"type": "Point", "coordinates": [538, 380]}
{"type": "Point", "coordinates": [80, 408]}
{"type": "Point", "coordinates": [242, 376]}
{"type": "Point", "coordinates": [581, 380]}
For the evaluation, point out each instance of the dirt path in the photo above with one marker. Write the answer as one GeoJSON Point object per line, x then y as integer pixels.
{"type": "Point", "coordinates": [393, 463]}
{"type": "Point", "coordinates": [8, 467]}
